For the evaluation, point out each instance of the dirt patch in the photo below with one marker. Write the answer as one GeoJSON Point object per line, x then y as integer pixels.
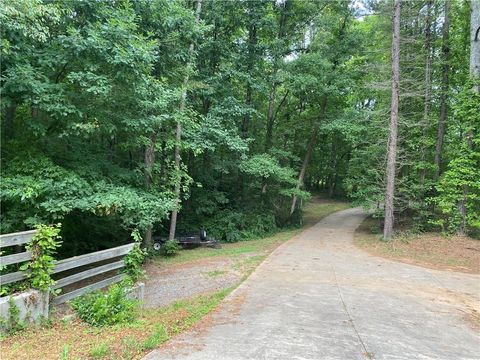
{"type": "Point", "coordinates": [431, 250]}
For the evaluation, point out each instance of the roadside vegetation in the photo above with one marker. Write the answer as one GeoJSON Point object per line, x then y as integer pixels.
{"type": "Point", "coordinates": [75, 339]}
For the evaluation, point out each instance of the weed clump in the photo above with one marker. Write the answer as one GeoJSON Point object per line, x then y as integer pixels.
{"type": "Point", "coordinates": [100, 309]}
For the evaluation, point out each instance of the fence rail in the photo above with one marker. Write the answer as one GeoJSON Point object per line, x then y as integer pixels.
{"type": "Point", "coordinates": [77, 261]}
{"type": "Point", "coordinates": [98, 258]}
{"type": "Point", "coordinates": [88, 273]}
{"type": "Point", "coordinates": [15, 258]}
{"type": "Point", "coordinates": [17, 238]}
{"type": "Point", "coordinates": [79, 292]}
{"type": "Point", "coordinates": [12, 277]}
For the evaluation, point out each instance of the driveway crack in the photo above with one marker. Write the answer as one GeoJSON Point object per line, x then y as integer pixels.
{"type": "Point", "coordinates": [367, 353]}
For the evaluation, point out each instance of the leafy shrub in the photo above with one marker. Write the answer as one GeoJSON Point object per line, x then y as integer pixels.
{"type": "Point", "coordinates": [232, 226]}
{"type": "Point", "coordinates": [459, 188]}
{"type": "Point", "coordinates": [226, 225]}
{"type": "Point", "coordinates": [100, 309]}
{"type": "Point", "coordinates": [43, 246]}
{"type": "Point", "coordinates": [134, 259]}
{"type": "Point", "coordinates": [171, 248]}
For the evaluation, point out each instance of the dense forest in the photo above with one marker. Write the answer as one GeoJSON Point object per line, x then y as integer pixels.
{"type": "Point", "coordinates": [172, 115]}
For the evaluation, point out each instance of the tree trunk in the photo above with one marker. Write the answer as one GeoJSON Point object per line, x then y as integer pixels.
{"type": "Point", "coordinates": [444, 92]}
{"type": "Point", "coordinates": [149, 160]}
{"type": "Point", "coordinates": [392, 141]}
{"type": "Point", "coordinates": [475, 42]}
{"type": "Point", "coordinates": [308, 154]}
{"type": "Point", "coordinates": [333, 166]}
{"type": "Point", "coordinates": [252, 44]}
{"type": "Point", "coordinates": [178, 137]}
{"type": "Point", "coordinates": [475, 73]}
{"type": "Point", "coordinates": [270, 118]}
{"type": "Point", "coordinates": [9, 121]}
{"type": "Point", "coordinates": [306, 160]}
{"type": "Point", "coordinates": [428, 85]}
{"type": "Point", "coordinates": [271, 99]}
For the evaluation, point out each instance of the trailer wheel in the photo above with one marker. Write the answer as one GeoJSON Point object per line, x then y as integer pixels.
{"type": "Point", "coordinates": [157, 246]}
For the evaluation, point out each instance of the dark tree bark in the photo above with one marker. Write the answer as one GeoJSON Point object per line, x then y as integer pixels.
{"type": "Point", "coordinates": [178, 138]}
{"type": "Point", "coordinates": [252, 45]}
{"type": "Point", "coordinates": [306, 160]}
{"type": "Point", "coordinates": [444, 92]}
{"type": "Point", "coordinates": [308, 155]}
{"type": "Point", "coordinates": [9, 121]}
{"type": "Point", "coordinates": [149, 160]}
{"type": "Point", "coordinates": [273, 90]}
{"type": "Point", "coordinates": [392, 140]}
{"type": "Point", "coordinates": [428, 84]}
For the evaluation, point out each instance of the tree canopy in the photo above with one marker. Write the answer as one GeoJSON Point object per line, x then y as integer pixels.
{"type": "Point", "coordinates": [281, 99]}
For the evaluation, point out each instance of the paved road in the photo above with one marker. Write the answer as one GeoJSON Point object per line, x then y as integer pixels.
{"type": "Point", "coordinates": [319, 297]}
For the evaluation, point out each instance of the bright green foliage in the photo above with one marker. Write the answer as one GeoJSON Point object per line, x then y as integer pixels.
{"type": "Point", "coordinates": [100, 309]}
{"type": "Point", "coordinates": [13, 287]}
{"type": "Point", "coordinates": [265, 166]}
{"type": "Point", "coordinates": [78, 100]}
{"type": "Point", "coordinates": [421, 198]}
{"type": "Point", "coordinates": [43, 246]}
{"type": "Point", "coordinates": [170, 248]}
{"type": "Point", "coordinates": [460, 184]}
{"type": "Point", "coordinates": [135, 258]}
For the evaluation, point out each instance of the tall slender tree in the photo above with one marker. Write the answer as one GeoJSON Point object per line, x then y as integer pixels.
{"type": "Point", "coordinates": [475, 41]}
{"type": "Point", "coordinates": [444, 90]}
{"type": "Point", "coordinates": [178, 134]}
{"type": "Point", "coordinates": [428, 85]}
{"type": "Point", "coordinates": [392, 140]}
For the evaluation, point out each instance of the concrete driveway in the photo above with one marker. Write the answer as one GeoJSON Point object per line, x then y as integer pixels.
{"type": "Point", "coordinates": [319, 297]}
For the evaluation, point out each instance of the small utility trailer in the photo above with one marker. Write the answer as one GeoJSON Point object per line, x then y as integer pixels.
{"type": "Point", "coordinates": [189, 241]}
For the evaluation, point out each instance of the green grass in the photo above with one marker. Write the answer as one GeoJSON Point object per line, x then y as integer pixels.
{"type": "Point", "coordinates": [316, 210]}
{"type": "Point", "coordinates": [227, 250]}
{"type": "Point", "coordinates": [64, 354]}
{"type": "Point", "coordinates": [99, 351]}
{"type": "Point", "coordinates": [158, 336]}
{"type": "Point", "coordinates": [216, 273]}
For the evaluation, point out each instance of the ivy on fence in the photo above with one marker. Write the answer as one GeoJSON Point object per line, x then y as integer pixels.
{"type": "Point", "coordinates": [43, 246]}
{"type": "Point", "coordinates": [134, 259]}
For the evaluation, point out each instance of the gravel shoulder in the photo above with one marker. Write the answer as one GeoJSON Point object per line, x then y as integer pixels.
{"type": "Point", "coordinates": [183, 281]}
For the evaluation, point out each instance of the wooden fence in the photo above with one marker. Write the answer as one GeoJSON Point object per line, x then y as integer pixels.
{"type": "Point", "coordinates": [98, 258]}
